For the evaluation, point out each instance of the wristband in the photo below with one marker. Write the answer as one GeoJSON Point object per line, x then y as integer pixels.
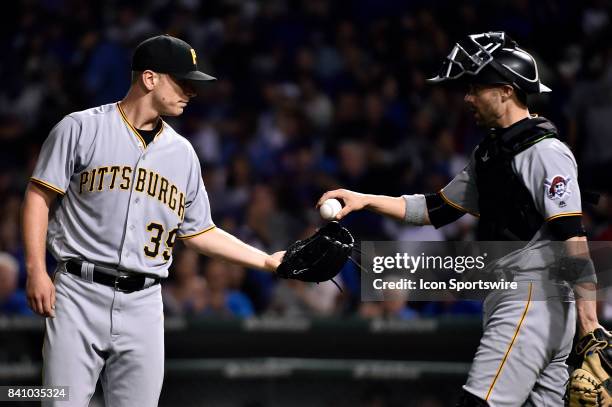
{"type": "Point", "coordinates": [416, 208]}
{"type": "Point", "coordinates": [576, 270]}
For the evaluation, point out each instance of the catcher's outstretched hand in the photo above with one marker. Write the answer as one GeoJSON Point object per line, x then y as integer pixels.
{"type": "Point", "coordinates": [352, 201]}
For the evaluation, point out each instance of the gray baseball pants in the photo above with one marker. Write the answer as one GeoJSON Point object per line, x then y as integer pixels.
{"type": "Point", "coordinates": [521, 357]}
{"type": "Point", "coordinates": [101, 333]}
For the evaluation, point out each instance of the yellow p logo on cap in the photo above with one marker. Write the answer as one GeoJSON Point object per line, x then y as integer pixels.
{"type": "Point", "coordinates": [193, 55]}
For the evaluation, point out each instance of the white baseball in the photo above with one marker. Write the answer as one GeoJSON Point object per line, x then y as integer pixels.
{"type": "Point", "coordinates": [330, 208]}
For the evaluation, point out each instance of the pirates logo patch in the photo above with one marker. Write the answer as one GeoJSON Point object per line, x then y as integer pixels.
{"type": "Point", "coordinates": [557, 188]}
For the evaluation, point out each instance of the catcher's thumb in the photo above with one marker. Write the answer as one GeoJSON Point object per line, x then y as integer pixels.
{"type": "Point", "coordinates": [343, 212]}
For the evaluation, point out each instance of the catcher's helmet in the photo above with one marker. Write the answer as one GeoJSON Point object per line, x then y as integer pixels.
{"type": "Point", "coordinates": [492, 58]}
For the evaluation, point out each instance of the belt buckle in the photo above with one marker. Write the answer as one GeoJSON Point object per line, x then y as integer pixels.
{"type": "Point", "coordinates": [118, 279]}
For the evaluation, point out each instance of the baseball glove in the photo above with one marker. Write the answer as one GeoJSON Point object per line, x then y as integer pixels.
{"type": "Point", "coordinates": [590, 383]}
{"type": "Point", "coordinates": [319, 257]}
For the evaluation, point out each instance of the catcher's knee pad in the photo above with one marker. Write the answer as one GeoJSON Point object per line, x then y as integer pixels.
{"type": "Point", "coordinates": [469, 400]}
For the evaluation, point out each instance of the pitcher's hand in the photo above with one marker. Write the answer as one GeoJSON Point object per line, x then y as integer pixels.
{"type": "Point", "coordinates": [40, 292]}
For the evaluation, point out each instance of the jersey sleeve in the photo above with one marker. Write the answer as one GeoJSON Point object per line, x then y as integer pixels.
{"type": "Point", "coordinates": [550, 173]}
{"type": "Point", "coordinates": [197, 218]}
{"type": "Point", "coordinates": [461, 193]}
{"type": "Point", "coordinates": [58, 156]}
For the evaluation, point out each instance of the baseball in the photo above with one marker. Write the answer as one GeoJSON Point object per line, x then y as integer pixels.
{"type": "Point", "coordinates": [330, 208]}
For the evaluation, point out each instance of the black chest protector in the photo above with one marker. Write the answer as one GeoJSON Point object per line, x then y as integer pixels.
{"type": "Point", "coordinates": [507, 210]}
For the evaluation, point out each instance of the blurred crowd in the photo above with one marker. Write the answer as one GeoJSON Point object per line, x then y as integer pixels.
{"type": "Point", "coordinates": [312, 95]}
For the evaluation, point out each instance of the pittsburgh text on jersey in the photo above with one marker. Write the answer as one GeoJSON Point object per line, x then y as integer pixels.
{"type": "Point", "coordinates": [146, 181]}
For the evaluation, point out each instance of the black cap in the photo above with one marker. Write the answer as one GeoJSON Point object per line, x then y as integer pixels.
{"type": "Point", "coordinates": [167, 54]}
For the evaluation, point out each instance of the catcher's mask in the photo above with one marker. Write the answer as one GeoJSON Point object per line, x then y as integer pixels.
{"type": "Point", "coordinates": [491, 58]}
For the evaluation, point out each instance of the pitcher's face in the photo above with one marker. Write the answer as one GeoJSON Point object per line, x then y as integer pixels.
{"type": "Point", "coordinates": [171, 95]}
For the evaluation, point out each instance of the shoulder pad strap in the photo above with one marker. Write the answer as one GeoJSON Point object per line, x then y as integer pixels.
{"type": "Point", "coordinates": [546, 125]}
{"type": "Point", "coordinates": [528, 133]}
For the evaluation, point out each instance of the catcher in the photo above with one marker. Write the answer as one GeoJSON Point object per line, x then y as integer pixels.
{"type": "Point", "coordinates": [521, 183]}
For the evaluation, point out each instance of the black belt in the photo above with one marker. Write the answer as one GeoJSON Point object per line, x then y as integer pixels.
{"type": "Point", "coordinates": [122, 282]}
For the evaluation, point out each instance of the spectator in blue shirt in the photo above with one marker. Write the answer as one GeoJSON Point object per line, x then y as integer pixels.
{"type": "Point", "coordinates": [12, 299]}
{"type": "Point", "coordinates": [221, 300]}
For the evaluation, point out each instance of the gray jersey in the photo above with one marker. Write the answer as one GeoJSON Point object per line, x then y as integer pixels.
{"type": "Point", "coordinates": [549, 171]}
{"type": "Point", "coordinates": [122, 204]}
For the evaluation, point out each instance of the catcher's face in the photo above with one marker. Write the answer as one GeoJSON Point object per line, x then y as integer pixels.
{"type": "Point", "coordinates": [171, 95]}
{"type": "Point", "coordinates": [485, 101]}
